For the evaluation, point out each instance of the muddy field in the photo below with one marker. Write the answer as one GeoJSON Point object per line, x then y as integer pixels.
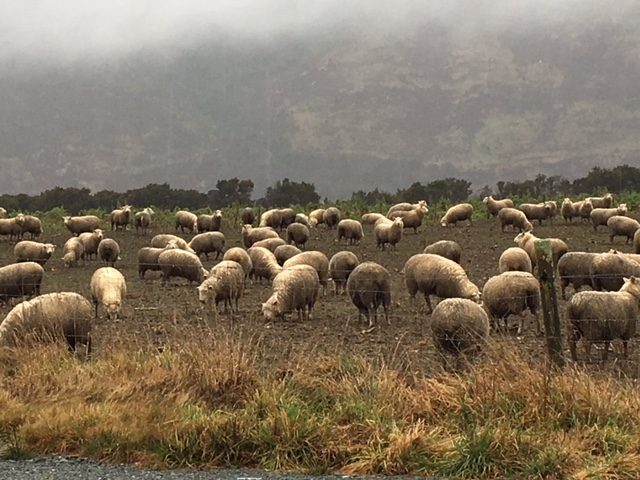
{"type": "Point", "coordinates": [155, 314]}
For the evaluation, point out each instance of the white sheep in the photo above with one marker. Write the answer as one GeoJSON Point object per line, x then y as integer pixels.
{"type": "Point", "coordinates": [120, 218]}
{"type": "Point", "coordinates": [108, 288]}
{"type": "Point", "coordinates": [388, 232]}
{"type": "Point", "coordinates": [82, 224]}
{"type": "Point", "coordinates": [514, 259]}
{"type": "Point", "coordinates": [72, 252]}
{"type": "Point", "coordinates": [295, 288]}
{"type": "Point", "coordinates": [175, 262]}
{"type": "Point", "coordinates": [20, 280]}
{"type": "Point", "coordinates": [620, 226]}
{"type": "Point", "coordinates": [188, 220]}
{"type": "Point", "coordinates": [142, 220]}
{"type": "Point", "coordinates": [240, 256]}
{"type": "Point", "coordinates": [109, 251]}
{"type": "Point", "coordinates": [369, 287]}
{"type": "Point", "coordinates": [457, 213]}
{"type": "Point", "coordinates": [494, 206]}
{"type": "Point", "coordinates": [225, 283]}
{"type": "Point", "coordinates": [29, 251]}
{"type": "Point", "coordinates": [350, 230]}
{"type": "Point", "coordinates": [340, 267]}
{"type": "Point", "coordinates": [90, 242]}
{"type": "Point", "coordinates": [526, 241]}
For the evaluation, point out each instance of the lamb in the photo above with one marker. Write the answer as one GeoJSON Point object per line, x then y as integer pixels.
{"type": "Point", "coordinates": [240, 256]}
{"type": "Point", "coordinates": [608, 270]}
{"type": "Point", "coordinates": [120, 218]}
{"type": "Point", "coordinates": [369, 287]}
{"type": "Point", "coordinates": [210, 223]}
{"type": "Point", "coordinates": [142, 220]}
{"type": "Point", "coordinates": [148, 260]}
{"type": "Point", "coordinates": [264, 264]}
{"type": "Point", "coordinates": [29, 251]}
{"type": "Point", "coordinates": [410, 218]}
{"type": "Point", "coordinates": [109, 251]}
{"type": "Point", "coordinates": [536, 211]}
{"type": "Point", "coordinates": [72, 251]}
{"type": "Point", "coordinates": [340, 267]}
{"type": "Point", "coordinates": [351, 231]}
{"type": "Point", "coordinates": [295, 288]}
{"type": "Point", "coordinates": [514, 259]}
{"type": "Point", "coordinates": [174, 262]}
{"type": "Point", "coordinates": [371, 218]}
{"type": "Point", "coordinates": [317, 260]}
{"type": "Point", "coordinates": [297, 234]}
{"type": "Point", "coordinates": [85, 223]}
{"type": "Point", "coordinates": [404, 206]}
{"type": "Point", "coordinates": [515, 218]}
{"type": "Point", "coordinates": [601, 202]}
{"type": "Point", "coordinates": [494, 206]}
{"type": "Point", "coordinates": [108, 288]}
{"type": "Point", "coordinates": [285, 252]}
{"type": "Point", "coordinates": [163, 239]}
{"type": "Point", "coordinates": [251, 235]}
{"type": "Point", "coordinates": [512, 293]}
{"type": "Point", "coordinates": [526, 241]}
{"type": "Point", "coordinates": [90, 242]}
{"type": "Point", "coordinates": [225, 283]}
{"type": "Point", "coordinates": [20, 279]}
{"type": "Point", "coordinates": [247, 216]}
{"type": "Point", "coordinates": [388, 232]}
{"type": "Point", "coordinates": [620, 226]}
{"type": "Point", "coordinates": [48, 318]}
{"type": "Point", "coordinates": [271, 218]}
{"type": "Point", "coordinates": [603, 317]}
{"type": "Point", "coordinates": [208, 242]}
{"type": "Point", "coordinates": [574, 268]}
{"type": "Point", "coordinates": [445, 248]}
{"type": "Point", "coordinates": [457, 213]}
{"type": "Point", "coordinates": [600, 216]}
{"type": "Point", "coordinates": [570, 209]}
{"type": "Point", "coordinates": [270, 243]}
{"type": "Point", "coordinates": [31, 225]}
{"type": "Point", "coordinates": [186, 220]}
{"type": "Point", "coordinates": [12, 226]}
{"type": "Point", "coordinates": [331, 217]}
{"type": "Point", "coordinates": [316, 217]}
{"type": "Point", "coordinates": [303, 219]}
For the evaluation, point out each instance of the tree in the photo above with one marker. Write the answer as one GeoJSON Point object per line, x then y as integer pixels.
{"type": "Point", "coordinates": [230, 191]}
{"type": "Point", "coordinates": [286, 192]}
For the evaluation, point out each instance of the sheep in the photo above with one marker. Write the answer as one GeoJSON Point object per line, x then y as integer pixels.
{"type": "Point", "coordinates": [210, 223]}
{"type": "Point", "coordinates": [271, 218]}
{"type": "Point", "coordinates": [174, 262]}
{"type": "Point", "coordinates": [388, 232]}
{"type": "Point", "coordinates": [90, 242]}
{"type": "Point", "coordinates": [48, 318]}
{"type": "Point", "coordinates": [85, 223]}
{"type": "Point", "coordinates": [287, 217]}
{"type": "Point", "coordinates": [109, 251]}
{"type": "Point", "coordinates": [526, 241]}
{"type": "Point", "coordinates": [247, 216]}
{"type": "Point", "coordinates": [240, 256]}
{"type": "Point", "coordinates": [371, 218]}
{"type": "Point", "coordinates": [399, 207]}
{"type": "Point", "coordinates": [599, 216]}
{"type": "Point", "coordinates": [264, 264]}
{"type": "Point", "coordinates": [369, 287]}
{"type": "Point", "coordinates": [445, 248]}
{"type": "Point", "coordinates": [340, 267]}
{"type": "Point", "coordinates": [514, 259]}
{"type": "Point", "coordinates": [585, 209]}
{"type": "Point", "coordinates": [295, 288]}
{"type": "Point", "coordinates": [536, 211]}
{"type": "Point", "coordinates": [31, 225]}
{"type": "Point", "coordinates": [72, 251]}
{"type": "Point", "coordinates": [553, 205]}
{"type": "Point", "coordinates": [285, 252]}
{"type": "Point", "coordinates": [225, 283]}
{"type": "Point", "coordinates": [297, 234]}
{"type": "Point", "coordinates": [108, 288]}
{"type": "Point", "coordinates": [601, 202]}
{"type": "Point", "coordinates": [574, 268]}
{"type": "Point", "coordinates": [30, 251]}
{"type": "Point", "coordinates": [569, 209]}
{"type": "Point", "coordinates": [620, 226]}
{"type": "Point", "coordinates": [603, 317]}
{"type": "Point", "coordinates": [512, 293]}
{"type": "Point", "coordinates": [331, 217]}
{"type": "Point", "coordinates": [186, 220]}
{"type": "Point", "coordinates": [251, 235]}
{"type": "Point", "coordinates": [351, 231]}
{"type": "Point", "coordinates": [142, 220]}
{"type": "Point", "coordinates": [3, 212]}
{"type": "Point", "coordinates": [208, 242]}
{"type": "Point", "coordinates": [303, 219]}
{"type": "Point", "coordinates": [163, 239]}
{"type": "Point", "coordinates": [410, 218]}
{"type": "Point", "coordinates": [435, 275]}
{"type": "Point", "coordinates": [20, 279]}
{"type": "Point", "coordinates": [12, 226]}
{"type": "Point", "coordinates": [607, 270]}
{"type": "Point", "coordinates": [457, 213]}
{"type": "Point", "coordinates": [317, 260]}
{"type": "Point", "coordinates": [494, 206]}
{"type": "Point", "coordinates": [148, 260]}
{"type": "Point", "coordinates": [316, 217]}
{"type": "Point", "coordinates": [515, 218]}
{"type": "Point", "coordinates": [636, 242]}
{"type": "Point", "coordinates": [120, 218]}
{"type": "Point", "coordinates": [270, 243]}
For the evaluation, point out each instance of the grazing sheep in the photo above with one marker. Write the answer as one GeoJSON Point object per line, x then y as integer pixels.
{"type": "Point", "coordinates": [600, 216]}
{"type": "Point", "coordinates": [109, 251]}
{"type": "Point", "coordinates": [270, 243]}
{"type": "Point", "coordinates": [163, 239]}
{"type": "Point", "coordinates": [636, 242]}
{"type": "Point", "coordinates": [608, 270]}
{"type": "Point", "coordinates": [494, 206]}
{"type": "Point", "coordinates": [20, 279]}
{"type": "Point", "coordinates": [31, 225]}
{"type": "Point", "coordinates": [29, 251]}
{"type": "Point", "coordinates": [603, 317]}
{"type": "Point", "coordinates": [297, 234]}
{"type": "Point", "coordinates": [148, 260]}
{"type": "Point", "coordinates": [317, 260]}
{"type": "Point", "coordinates": [316, 217]}
{"type": "Point", "coordinates": [78, 225]}
{"type": "Point", "coordinates": [526, 241]}
{"type": "Point", "coordinates": [120, 218]}
{"type": "Point", "coordinates": [410, 218]}
{"type": "Point", "coordinates": [585, 209]}
{"type": "Point", "coordinates": [48, 318]}
{"type": "Point", "coordinates": [457, 213]}
{"type": "Point", "coordinates": [225, 283]}
{"type": "Point", "coordinates": [108, 288]}
{"type": "Point", "coordinates": [186, 220]}
{"type": "Point", "coordinates": [295, 288]}
{"type": "Point", "coordinates": [210, 223]}
{"type": "Point", "coordinates": [351, 231]}
{"type": "Point", "coordinates": [251, 235]}
{"type": "Point", "coordinates": [287, 217]}
{"type": "Point", "coordinates": [72, 251]}
{"type": "Point", "coordinates": [331, 217]}
{"type": "Point", "coordinates": [142, 220]}
{"type": "Point", "coordinates": [536, 211]}
{"type": "Point", "coordinates": [240, 256]}
{"type": "Point", "coordinates": [207, 243]}
{"type": "Point", "coordinates": [285, 252]}
{"type": "Point", "coordinates": [435, 275]}
{"type": "Point", "coordinates": [271, 218]}
{"type": "Point", "coordinates": [574, 268]}
{"type": "Point", "coordinates": [388, 232]}
{"type": "Point", "coordinates": [569, 209]}
{"type": "Point", "coordinates": [445, 248]}
{"type": "Point", "coordinates": [514, 259]}
{"type": "Point", "coordinates": [369, 287]}
{"type": "Point", "coordinates": [303, 219]}
{"type": "Point", "coordinates": [620, 226]}
{"type": "Point", "coordinates": [371, 218]}
{"type": "Point", "coordinates": [247, 216]}
{"type": "Point", "coordinates": [264, 264]}
{"type": "Point", "coordinates": [174, 262]}
{"type": "Point", "coordinates": [512, 293]}
{"type": "Point", "coordinates": [340, 267]}
{"type": "Point", "coordinates": [90, 242]}
{"type": "Point", "coordinates": [404, 206]}
{"type": "Point", "coordinates": [601, 202]}
{"type": "Point", "coordinates": [12, 226]}
{"type": "Point", "coordinates": [515, 218]}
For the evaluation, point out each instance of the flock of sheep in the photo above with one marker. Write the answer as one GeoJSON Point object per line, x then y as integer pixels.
{"type": "Point", "coordinates": [275, 251]}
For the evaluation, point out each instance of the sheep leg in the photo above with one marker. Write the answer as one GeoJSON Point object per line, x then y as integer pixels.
{"type": "Point", "coordinates": [428, 302]}
{"type": "Point", "coordinates": [605, 353]}
{"type": "Point", "coordinates": [625, 348]}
